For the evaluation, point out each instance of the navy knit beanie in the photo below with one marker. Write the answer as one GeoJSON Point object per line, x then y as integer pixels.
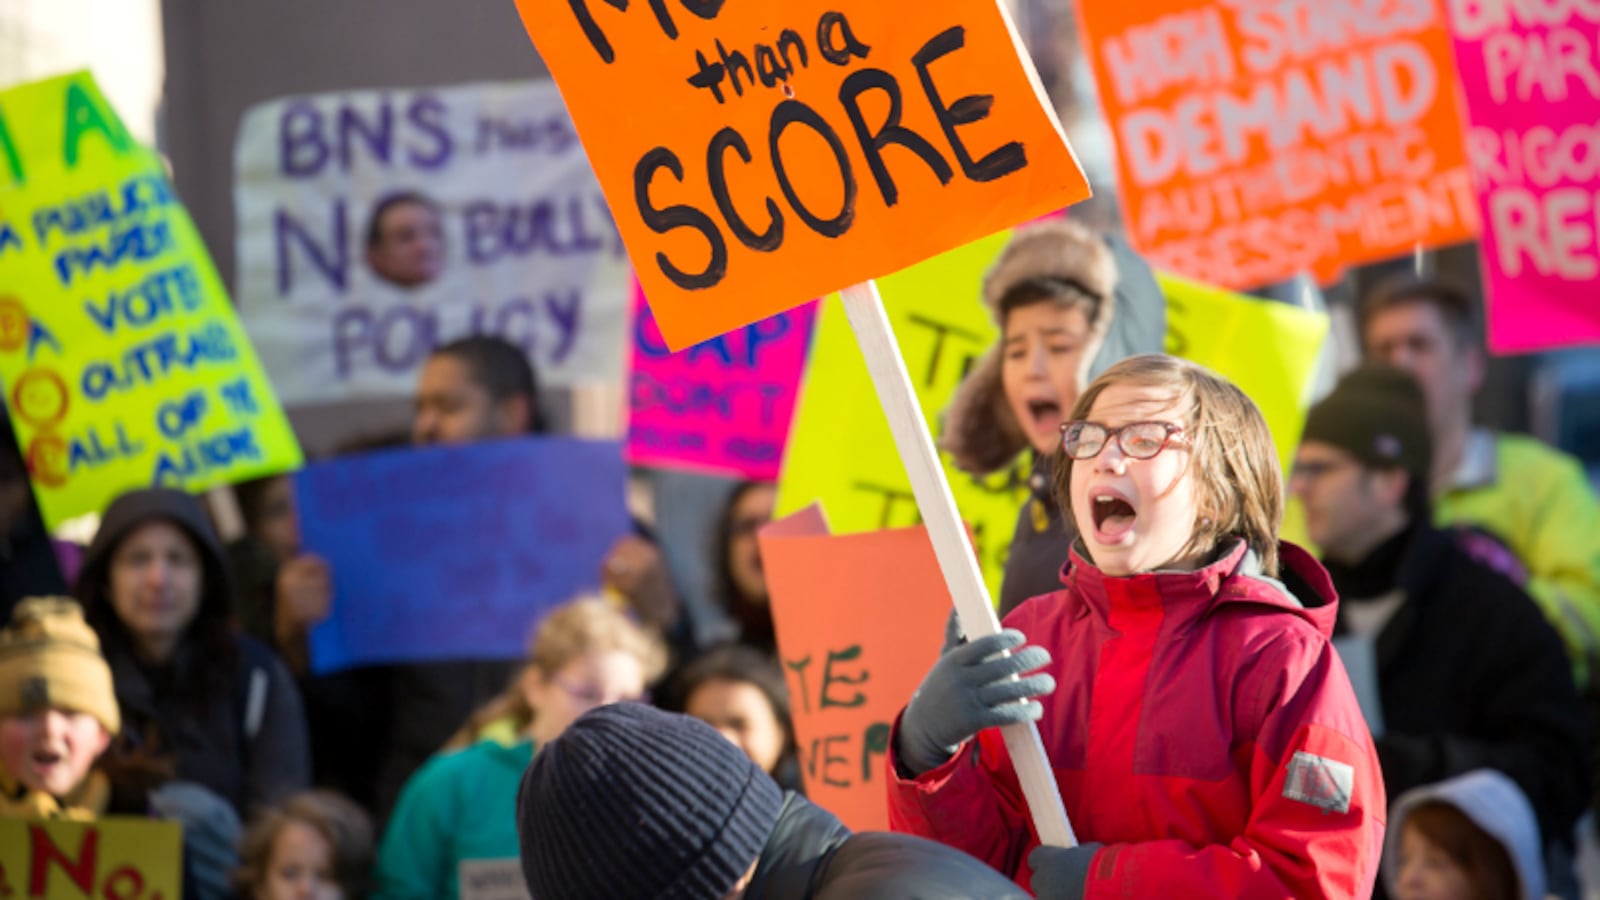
{"type": "Point", "coordinates": [1378, 415]}
{"type": "Point", "coordinates": [633, 802]}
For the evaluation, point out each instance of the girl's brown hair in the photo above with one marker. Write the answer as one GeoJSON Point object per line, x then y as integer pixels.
{"type": "Point", "coordinates": [1484, 859]}
{"type": "Point", "coordinates": [337, 819]}
{"type": "Point", "coordinates": [1238, 481]}
{"type": "Point", "coordinates": [572, 631]}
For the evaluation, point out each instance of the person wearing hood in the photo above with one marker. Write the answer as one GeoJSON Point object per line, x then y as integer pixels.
{"type": "Point", "coordinates": [1202, 731]}
{"type": "Point", "coordinates": [1472, 837]}
{"type": "Point", "coordinates": [1069, 303]}
{"type": "Point", "coordinates": [633, 803]}
{"type": "Point", "coordinates": [215, 707]}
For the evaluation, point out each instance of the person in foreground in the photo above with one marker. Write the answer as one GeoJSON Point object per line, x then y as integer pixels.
{"type": "Point", "coordinates": [1202, 731]}
{"type": "Point", "coordinates": [633, 802]}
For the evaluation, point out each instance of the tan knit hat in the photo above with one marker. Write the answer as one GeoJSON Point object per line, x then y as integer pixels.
{"type": "Point", "coordinates": [50, 659]}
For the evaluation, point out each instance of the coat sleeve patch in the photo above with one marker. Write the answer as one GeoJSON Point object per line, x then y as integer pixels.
{"type": "Point", "coordinates": [1321, 782]}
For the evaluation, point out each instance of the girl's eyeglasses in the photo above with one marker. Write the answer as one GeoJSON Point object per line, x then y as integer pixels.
{"type": "Point", "coordinates": [590, 696]}
{"type": "Point", "coordinates": [1137, 440]}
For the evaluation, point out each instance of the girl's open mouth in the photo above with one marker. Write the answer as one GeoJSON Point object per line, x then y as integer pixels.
{"type": "Point", "coordinates": [1045, 413]}
{"type": "Point", "coordinates": [1114, 515]}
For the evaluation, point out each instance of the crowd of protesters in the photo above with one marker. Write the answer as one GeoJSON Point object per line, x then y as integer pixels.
{"type": "Point", "coordinates": [1406, 710]}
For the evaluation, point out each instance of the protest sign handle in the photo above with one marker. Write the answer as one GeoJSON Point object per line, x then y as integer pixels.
{"type": "Point", "coordinates": [864, 308]}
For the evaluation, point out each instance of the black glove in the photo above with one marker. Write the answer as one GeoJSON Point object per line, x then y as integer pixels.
{"type": "Point", "coordinates": [969, 689]}
{"type": "Point", "coordinates": [1061, 873]}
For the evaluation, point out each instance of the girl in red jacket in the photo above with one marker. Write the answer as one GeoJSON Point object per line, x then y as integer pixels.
{"type": "Point", "coordinates": [1202, 731]}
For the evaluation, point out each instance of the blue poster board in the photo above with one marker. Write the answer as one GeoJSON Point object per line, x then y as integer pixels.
{"type": "Point", "coordinates": [455, 553]}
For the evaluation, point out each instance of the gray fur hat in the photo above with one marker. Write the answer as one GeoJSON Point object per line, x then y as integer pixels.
{"type": "Point", "coordinates": [980, 431]}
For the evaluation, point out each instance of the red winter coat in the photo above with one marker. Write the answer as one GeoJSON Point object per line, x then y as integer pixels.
{"type": "Point", "coordinates": [1202, 728]}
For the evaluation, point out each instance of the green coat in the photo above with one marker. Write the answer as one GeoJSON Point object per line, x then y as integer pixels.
{"type": "Point", "coordinates": [1538, 501]}
{"type": "Point", "coordinates": [458, 807]}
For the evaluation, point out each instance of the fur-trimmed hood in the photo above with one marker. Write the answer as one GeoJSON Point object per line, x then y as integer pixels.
{"type": "Point", "coordinates": [979, 428]}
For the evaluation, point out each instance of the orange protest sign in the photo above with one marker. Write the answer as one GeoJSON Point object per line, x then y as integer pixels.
{"type": "Point", "coordinates": [1257, 140]}
{"type": "Point", "coordinates": [860, 619]}
{"type": "Point", "coordinates": [758, 155]}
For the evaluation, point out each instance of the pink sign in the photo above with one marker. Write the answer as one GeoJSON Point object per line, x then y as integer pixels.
{"type": "Point", "coordinates": [722, 406]}
{"type": "Point", "coordinates": [1531, 75]}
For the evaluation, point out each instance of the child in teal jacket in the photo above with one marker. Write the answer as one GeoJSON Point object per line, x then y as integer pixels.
{"type": "Point", "coordinates": [461, 806]}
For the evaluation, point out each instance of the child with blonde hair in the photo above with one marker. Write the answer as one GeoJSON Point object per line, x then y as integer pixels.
{"type": "Point", "coordinates": [1202, 731]}
{"type": "Point", "coordinates": [461, 805]}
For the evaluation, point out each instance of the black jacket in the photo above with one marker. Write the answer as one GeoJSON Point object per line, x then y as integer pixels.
{"type": "Point", "coordinates": [28, 566]}
{"type": "Point", "coordinates": [248, 744]}
{"type": "Point", "coordinates": [1471, 675]}
{"type": "Point", "coordinates": [224, 711]}
{"type": "Point", "coordinates": [1039, 545]}
{"type": "Point", "coordinates": [810, 854]}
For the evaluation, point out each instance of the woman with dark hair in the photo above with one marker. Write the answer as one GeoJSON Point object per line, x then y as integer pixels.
{"type": "Point", "coordinates": [741, 693]}
{"type": "Point", "coordinates": [217, 706]}
{"type": "Point", "coordinates": [282, 593]}
{"type": "Point", "coordinates": [741, 582]}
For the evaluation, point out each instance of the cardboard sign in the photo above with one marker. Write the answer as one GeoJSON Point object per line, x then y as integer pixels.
{"type": "Point", "coordinates": [1531, 77]}
{"type": "Point", "coordinates": [841, 453]}
{"type": "Point", "coordinates": [524, 246]}
{"type": "Point", "coordinates": [123, 363]}
{"type": "Point", "coordinates": [860, 619]}
{"type": "Point", "coordinates": [450, 553]}
{"type": "Point", "coordinates": [722, 406]}
{"type": "Point", "coordinates": [1268, 349]}
{"type": "Point", "coordinates": [106, 859]}
{"type": "Point", "coordinates": [491, 879]}
{"type": "Point", "coordinates": [759, 155]}
{"type": "Point", "coordinates": [1259, 140]}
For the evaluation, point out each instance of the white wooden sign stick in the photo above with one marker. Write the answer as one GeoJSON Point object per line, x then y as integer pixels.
{"type": "Point", "coordinates": [864, 307]}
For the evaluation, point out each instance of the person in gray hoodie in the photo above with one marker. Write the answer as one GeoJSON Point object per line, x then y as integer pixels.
{"type": "Point", "coordinates": [1472, 837]}
{"type": "Point", "coordinates": [1069, 303]}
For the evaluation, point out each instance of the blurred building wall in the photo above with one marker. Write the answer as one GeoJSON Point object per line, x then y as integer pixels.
{"type": "Point", "coordinates": [224, 57]}
{"type": "Point", "coordinates": [118, 40]}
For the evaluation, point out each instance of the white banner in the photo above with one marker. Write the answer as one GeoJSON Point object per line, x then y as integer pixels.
{"type": "Point", "coordinates": [491, 222]}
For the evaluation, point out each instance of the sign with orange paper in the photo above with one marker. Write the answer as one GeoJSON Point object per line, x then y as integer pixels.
{"type": "Point", "coordinates": [1258, 140]}
{"type": "Point", "coordinates": [860, 619]}
{"type": "Point", "coordinates": [759, 155]}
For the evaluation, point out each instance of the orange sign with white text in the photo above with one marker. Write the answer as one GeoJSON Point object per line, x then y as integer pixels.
{"type": "Point", "coordinates": [759, 155]}
{"type": "Point", "coordinates": [860, 619]}
{"type": "Point", "coordinates": [1260, 139]}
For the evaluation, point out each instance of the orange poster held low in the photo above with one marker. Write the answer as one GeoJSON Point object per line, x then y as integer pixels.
{"type": "Point", "coordinates": [758, 155]}
{"type": "Point", "coordinates": [859, 618]}
{"type": "Point", "coordinates": [1259, 140]}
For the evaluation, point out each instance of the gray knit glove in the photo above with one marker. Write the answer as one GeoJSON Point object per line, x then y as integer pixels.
{"type": "Point", "coordinates": [967, 690]}
{"type": "Point", "coordinates": [1061, 873]}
